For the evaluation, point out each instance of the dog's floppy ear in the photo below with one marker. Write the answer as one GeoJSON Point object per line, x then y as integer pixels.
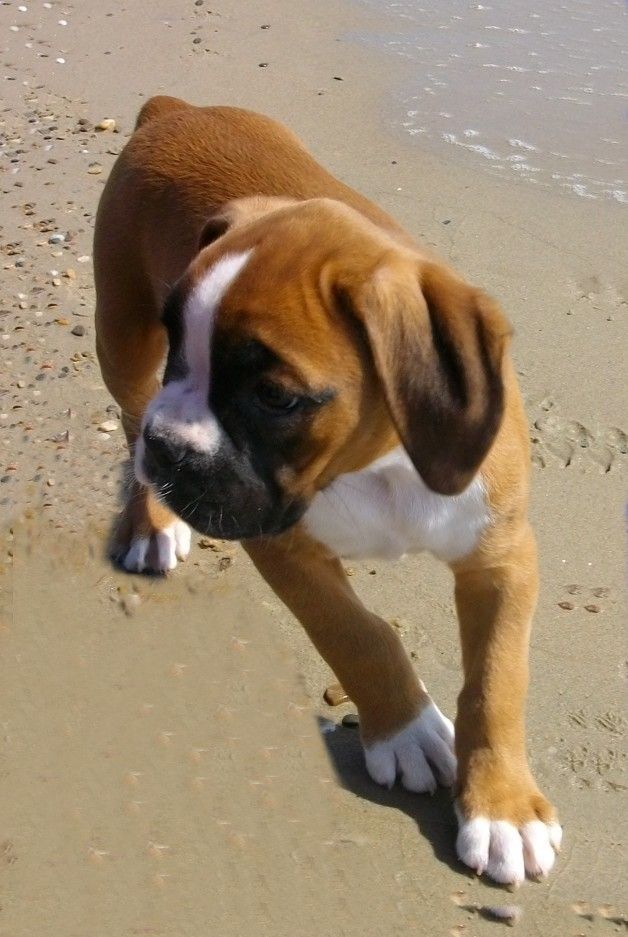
{"type": "Point", "coordinates": [438, 345]}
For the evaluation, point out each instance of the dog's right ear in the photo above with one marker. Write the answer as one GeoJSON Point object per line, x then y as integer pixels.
{"type": "Point", "coordinates": [215, 226]}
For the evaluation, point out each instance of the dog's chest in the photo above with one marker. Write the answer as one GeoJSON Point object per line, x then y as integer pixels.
{"type": "Point", "coordinates": [385, 510]}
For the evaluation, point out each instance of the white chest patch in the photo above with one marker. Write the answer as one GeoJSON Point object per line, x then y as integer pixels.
{"type": "Point", "coordinates": [386, 510]}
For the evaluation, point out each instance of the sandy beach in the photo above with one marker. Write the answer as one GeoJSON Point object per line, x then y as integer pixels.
{"type": "Point", "coordinates": [167, 763]}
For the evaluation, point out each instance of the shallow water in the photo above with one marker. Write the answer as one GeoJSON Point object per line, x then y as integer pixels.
{"type": "Point", "coordinates": [533, 91]}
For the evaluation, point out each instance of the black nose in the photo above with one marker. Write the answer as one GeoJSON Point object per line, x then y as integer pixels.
{"type": "Point", "coordinates": [163, 451]}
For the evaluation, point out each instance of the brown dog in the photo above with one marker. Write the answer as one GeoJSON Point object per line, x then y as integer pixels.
{"type": "Point", "coordinates": [330, 390]}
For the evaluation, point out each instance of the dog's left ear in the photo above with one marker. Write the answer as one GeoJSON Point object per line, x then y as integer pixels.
{"type": "Point", "coordinates": [438, 345]}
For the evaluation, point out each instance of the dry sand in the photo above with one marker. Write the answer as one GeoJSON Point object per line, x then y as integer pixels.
{"type": "Point", "coordinates": [161, 767]}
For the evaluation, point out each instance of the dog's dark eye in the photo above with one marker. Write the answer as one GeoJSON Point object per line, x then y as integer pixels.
{"type": "Point", "coordinates": [275, 398]}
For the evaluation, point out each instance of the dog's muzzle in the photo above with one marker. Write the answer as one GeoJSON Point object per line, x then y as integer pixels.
{"type": "Point", "coordinates": [221, 493]}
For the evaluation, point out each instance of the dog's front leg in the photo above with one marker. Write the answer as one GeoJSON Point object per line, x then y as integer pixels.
{"type": "Point", "coordinates": [507, 827]}
{"type": "Point", "coordinates": [403, 732]}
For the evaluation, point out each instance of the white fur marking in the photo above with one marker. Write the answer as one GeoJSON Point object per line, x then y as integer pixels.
{"type": "Point", "coordinates": [168, 545]}
{"type": "Point", "coordinates": [138, 461]}
{"type": "Point", "coordinates": [538, 852]}
{"type": "Point", "coordinates": [386, 510]}
{"type": "Point", "coordinates": [473, 842]}
{"type": "Point", "coordinates": [135, 559]}
{"type": "Point", "coordinates": [200, 312]}
{"type": "Point", "coordinates": [181, 410]}
{"type": "Point", "coordinates": [505, 853]}
{"type": "Point", "coordinates": [421, 753]}
{"type": "Point", "coordinates": [555, 835]}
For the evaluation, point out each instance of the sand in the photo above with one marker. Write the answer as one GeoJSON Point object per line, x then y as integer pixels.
{"type": "Point", "coordinates": [168, 765]}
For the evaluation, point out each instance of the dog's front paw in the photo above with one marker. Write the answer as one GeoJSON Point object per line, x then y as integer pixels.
{"type": "Point", "coordinates": [510, 838]}
{"type": "Point", "coordinates": [149, 538]}
{"type": "Point", "coordinates": [157, 551]}
{"type": "Point", "coordinates": [421, 754]}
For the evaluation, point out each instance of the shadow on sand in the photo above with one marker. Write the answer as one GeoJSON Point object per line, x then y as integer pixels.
{"type": "Point", "coordinates": [433, 814]}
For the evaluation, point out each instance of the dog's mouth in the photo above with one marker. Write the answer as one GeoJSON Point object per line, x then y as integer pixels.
{"type": "Point", "coordinates": [219, 498]}
{"type": "Point", "coordinates": [221, 515]}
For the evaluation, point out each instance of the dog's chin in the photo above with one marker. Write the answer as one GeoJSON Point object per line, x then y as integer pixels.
{"type": "Point", "coordinates": [219, 520]}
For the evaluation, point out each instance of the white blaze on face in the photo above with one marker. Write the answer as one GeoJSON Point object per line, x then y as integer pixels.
{"type": "Point", "coordinates": [180, 410]}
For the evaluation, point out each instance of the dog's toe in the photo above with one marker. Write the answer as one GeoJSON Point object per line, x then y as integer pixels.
{"type": "Point", "coordinates": [421, 754]}
{"type": "Point", "coordinates": [157, 552]}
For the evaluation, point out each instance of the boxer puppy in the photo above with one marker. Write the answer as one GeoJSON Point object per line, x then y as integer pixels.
{"type": "Point", "coordinates": [330, 390]}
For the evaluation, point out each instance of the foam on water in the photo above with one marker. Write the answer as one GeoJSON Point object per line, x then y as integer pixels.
{"type": "Point", "coordinates": [539, 94]}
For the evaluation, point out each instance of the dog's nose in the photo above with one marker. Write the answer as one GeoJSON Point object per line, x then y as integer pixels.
{"type": "Point", "coordinates": [164, 451]}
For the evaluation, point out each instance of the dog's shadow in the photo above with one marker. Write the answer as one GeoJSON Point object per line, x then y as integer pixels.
{"type": "Point", "coordinates": [433, 814]}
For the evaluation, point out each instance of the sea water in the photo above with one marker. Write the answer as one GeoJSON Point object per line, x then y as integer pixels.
{"type": "Point", "coordinates": [537, 91]}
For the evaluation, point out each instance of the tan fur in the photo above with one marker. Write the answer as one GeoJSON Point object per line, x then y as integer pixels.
{"type": "Point", "coordinates": [364, 651]}
{"type": "Point", "coordinates": [189, 174]}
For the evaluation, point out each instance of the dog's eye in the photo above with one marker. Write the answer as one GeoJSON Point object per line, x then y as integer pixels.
{"type": "Point", "coordinates": [275, 398]}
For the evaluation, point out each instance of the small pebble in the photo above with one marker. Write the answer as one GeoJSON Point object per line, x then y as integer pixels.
{"type": "Point", "coordinates": [510, 914]}
{"type": "Point", "coordinates": [107, 124]}
{"type": "Point", "coordinates": [351, 721]}
{"type": "Point", "coordinates": [568, 606]}
{"type": "Point", "coordinates": [334, 695]}
{"type": "Point", "coordinates": [78, 330]}
{"type": "Point", "coordinates": [56, 239]}
{"type": "Point", "coordinates": [94, 169]}
{"type": "Point", "coordinates": [109, 426]}
{"type": "Point", "coordinates": [592, 608]}
{"type": "Point", "coordinates": [60, 61]}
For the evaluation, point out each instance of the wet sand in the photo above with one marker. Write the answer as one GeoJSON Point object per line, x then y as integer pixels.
{"type": "Point", "coordinates": [160, 775]}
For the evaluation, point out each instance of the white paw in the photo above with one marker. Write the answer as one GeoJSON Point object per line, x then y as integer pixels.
{"type": "Point", "coordinates": [506, 853]}
{"type": "Point", "coordinates": [159, 552]}
{"type": "Point", "coordinates": [422, 754]}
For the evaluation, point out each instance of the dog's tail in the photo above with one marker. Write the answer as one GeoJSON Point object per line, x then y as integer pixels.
{"type": "Point", "coordinates": [158, 106]}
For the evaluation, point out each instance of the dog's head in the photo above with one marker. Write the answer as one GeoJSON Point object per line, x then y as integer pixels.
{"type": "Point", "coordinates": [304, 342]}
